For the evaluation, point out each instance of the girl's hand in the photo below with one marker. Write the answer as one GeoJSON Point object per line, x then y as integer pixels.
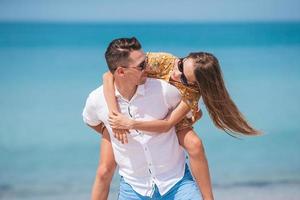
{"type": "Point", "coordinates": [119, 121]}
{"type": "Point", "coordinates": [198, 115]}
{"type": "Point", "coordinates": [121, 135]}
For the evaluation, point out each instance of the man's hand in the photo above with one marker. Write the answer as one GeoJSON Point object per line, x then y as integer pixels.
{"type": "Point", "coordinates": [121, 135]}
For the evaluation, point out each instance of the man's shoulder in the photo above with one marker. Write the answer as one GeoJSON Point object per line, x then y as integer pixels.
{"type": "Point", "coordinates": [163, 85]}
{"type": "Point", "coordinates": [96, 96]}
{"type": "Point", "coordinates": [151, 82]}
{"type": "Point", "coordinates": [97, 91]}
{"type": "Point", "coordinates": [94, 105]}
{"type": "Point", "coordinates": [154, 81]}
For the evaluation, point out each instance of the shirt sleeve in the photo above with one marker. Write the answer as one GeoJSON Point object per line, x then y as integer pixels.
{"type": "Point", "coordinates": [171, 95]}
{"type": "Point", "coordinates": [89, 113]}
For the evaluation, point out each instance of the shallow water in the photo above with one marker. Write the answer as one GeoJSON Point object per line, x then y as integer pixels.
{"type": "Point", "coordinates": [47, 71]}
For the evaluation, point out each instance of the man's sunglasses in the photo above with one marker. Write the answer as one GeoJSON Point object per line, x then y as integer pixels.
{"type": "Point", "coordinates": [142, 65]}
{"type": "Point", "coordinates": [139, 67]}
{"type": "Point", "coordinates": [183, 78]}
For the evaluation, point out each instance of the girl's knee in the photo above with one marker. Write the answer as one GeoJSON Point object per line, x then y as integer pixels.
{"type": "Point", "coordinates": [189, 140]}
{"type": "Point", "coordinates": [195, 146]}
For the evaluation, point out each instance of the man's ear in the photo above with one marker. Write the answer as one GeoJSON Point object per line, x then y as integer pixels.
{"type": "Point", "coordinates": [119, 71]}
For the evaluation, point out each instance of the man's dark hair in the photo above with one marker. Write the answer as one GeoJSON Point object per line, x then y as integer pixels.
{"type": "Point", "coordinates": [118, 51]}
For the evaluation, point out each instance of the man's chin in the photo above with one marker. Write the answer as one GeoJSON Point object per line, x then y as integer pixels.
{"type": "Point", "coordinates": [143, 80]}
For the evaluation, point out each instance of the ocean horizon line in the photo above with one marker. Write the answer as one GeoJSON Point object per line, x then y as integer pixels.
{"type": "Point", "coordinates": [192, 34]}
{"type": "Point", "coordinates": [148, 22]}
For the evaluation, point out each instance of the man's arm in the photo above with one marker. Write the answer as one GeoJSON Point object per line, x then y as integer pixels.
{"type": "Point", "coordinates": [98, 128]}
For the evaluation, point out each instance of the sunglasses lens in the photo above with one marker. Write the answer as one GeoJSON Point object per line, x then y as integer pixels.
{"type": "Point", "coordinates": [142, 65]}
{"type": "Point", "coordinates": [180, 66]}
{"type": "Point", "coordinates": [184, 80]}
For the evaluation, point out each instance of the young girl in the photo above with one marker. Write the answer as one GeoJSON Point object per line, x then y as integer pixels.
{"type": "Point", "coordinates": [197, 75]}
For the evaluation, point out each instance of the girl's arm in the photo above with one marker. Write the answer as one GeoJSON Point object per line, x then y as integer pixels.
{"type": "Point", "coordinates": [109, 95]}
{"type": "Point", "coordinates": [119, 121]}
{"type": "Point", "coordinates": [109, 92]}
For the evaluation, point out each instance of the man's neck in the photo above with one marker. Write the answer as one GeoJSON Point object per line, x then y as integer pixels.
{"type": "Point", "coordinates": [126, 90]}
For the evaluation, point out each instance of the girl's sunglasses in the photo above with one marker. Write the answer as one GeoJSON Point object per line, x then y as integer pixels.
{"type": "Point", "coordinates": [183, 78]}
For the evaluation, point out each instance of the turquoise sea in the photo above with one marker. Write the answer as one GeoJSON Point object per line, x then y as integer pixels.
{"type": "Point", "coordinates": [48, 69]}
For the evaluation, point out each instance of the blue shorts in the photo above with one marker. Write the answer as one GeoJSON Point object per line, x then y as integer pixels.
{"type": "Point", "coordinates": [185, 189]}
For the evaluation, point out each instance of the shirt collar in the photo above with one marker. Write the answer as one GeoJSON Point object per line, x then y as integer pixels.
{"type": "Point", "coordinates": [139, 91]}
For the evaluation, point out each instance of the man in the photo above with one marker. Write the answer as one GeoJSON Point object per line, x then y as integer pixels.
{"type": "Point", "coordinates": [151, 165]}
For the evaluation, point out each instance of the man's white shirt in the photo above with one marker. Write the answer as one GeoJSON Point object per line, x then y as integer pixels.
{"type": "Point", "coordinates": [148, 158]}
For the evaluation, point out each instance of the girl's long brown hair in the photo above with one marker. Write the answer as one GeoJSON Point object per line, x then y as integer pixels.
{"type": "Point", "coordinates": [217, 100]}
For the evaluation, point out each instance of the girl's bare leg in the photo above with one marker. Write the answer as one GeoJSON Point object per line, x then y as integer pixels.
{"type": "Point", "coordinates": [106, 169]}
{"type": "Point", "coordinates": [189, 140]}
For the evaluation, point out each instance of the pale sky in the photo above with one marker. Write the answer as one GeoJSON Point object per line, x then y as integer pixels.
{"type": "Point", "coordinates": [150, 10]}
